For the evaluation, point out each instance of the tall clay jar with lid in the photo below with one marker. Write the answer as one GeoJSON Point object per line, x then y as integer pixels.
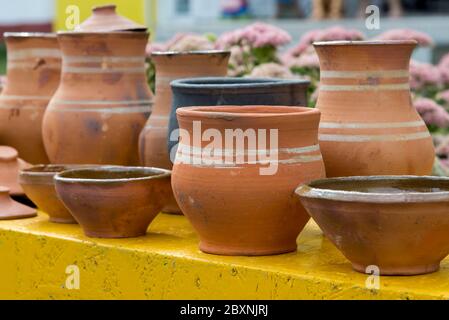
{"type": "Point", "coordinates": [171, 66]}
{"type": "Point", "coordinates": [33, 73]}
{"type": "Point", "coordinates": [235, 173]}
{"type": "Point", "coordinates": [368, 124]}
{"type": "Point", "coordinates": [102, 102]}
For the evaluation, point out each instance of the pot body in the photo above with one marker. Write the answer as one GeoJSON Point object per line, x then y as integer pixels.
{"type": "Point", "coordinates": [368, 125]}
{"type": "Point", "coordinates": [33, 73]}
{"type": "Point", "coordinates": [233, 91]}
{"type": "Point", "coordinates": [241, 205]}
{"type": "Point", "coordinates": [103, 100]}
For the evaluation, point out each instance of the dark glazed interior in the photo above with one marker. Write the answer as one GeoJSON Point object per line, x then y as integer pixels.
{"type": "Point", "coordinates": [230, 82]}
{"type": "Point", "coordinates": [111, 173]}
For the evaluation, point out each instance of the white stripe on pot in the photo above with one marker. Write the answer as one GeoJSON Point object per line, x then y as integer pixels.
{"type": "Point", "coordinates": [28, 107]}
{"type": "Point", "coordinates": [14, 97]}
{"type": "Point", "coordinates": [372, 125]}
{"type": "Point", "coordinates": [115, 110]}
{"type": "Point", "coordinates": [103, 102]}
{"type": "Point", "coordinates": [368, 138]}
{"type": "Point", "coordinates": [109, 70]}
{"type": "Point", "coordinates": [32, 65]}
{"type": "Point", "coordinates": [365, 74]}
{"type": "Point", "coordinates": [367, 87]}
{"type": "Point", "coordinates": [34, 53]}
{"type": "Point", "coordinates": [104, 59]}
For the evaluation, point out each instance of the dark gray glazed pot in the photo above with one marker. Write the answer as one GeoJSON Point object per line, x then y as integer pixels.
{"type": "Point", "coordinates": [216, 91]}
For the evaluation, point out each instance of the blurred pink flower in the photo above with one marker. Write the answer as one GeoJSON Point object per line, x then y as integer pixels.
{"type": "Point", "coordinates": [444, 62]}
{"type": "Point", "coordinates": [271, 70]}
{"type": "Point", "coordinates": [424, 40]}
{"type": "Point", "coordinates": [306, 60]}
{"type": "Point", "coordinates": [432, 113]}
{"type": "Point", "coordinates": [444, 95]}
{"type": "Point", "coordinates": [422, 74]}
{"type": "Point", "coordinates": [330, 34]}
{"type": "Point", "coordinates": [257, 35]}
{"type": "Point", "coordinates": [182, 42]}
{"type": "Point", "coordinates": [154, 47]}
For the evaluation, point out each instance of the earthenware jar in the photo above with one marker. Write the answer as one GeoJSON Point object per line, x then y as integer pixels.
{"type": "Point", "coordinates": [12, 210]}
{"type": "Point", "coordinates": [171, 66]}
{"type": "Point", "coordinates": [114, 202]}
{"type": "Point", "coordinates": [39, 186]}
{"type": "Point", "coordinates": [233, 91]}
{"type": "Point", "coordinates": [368, 124]}
{"type": "Point", "coordinates": [33, 73]}
{"type": "Point", "coordinates": [103, 101]}
{"type": "Point", "coordinates": [396, 224]}
{"type": "Point", "coordinates": [10, 166]}
{"type": "Point", "coordinates": [239, 196]}
{"type": "Point", "coordinates": [105, 19]}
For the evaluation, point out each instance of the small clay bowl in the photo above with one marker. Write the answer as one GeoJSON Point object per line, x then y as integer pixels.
{"type": "Point", "coordinates": [114, 202]}
{"type": "Point", "coordinates": [399, 224]}
{"type": "Point", "coordinates": [39, 186]}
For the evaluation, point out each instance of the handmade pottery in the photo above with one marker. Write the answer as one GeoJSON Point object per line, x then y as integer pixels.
{"type": "Point", "coordinates": [39, 186]}
{"type": "Point", "coordinates": [232, 91]}
{"type": "Point", "coordinates": [399, 224]}
{"type": "Point", "coordinates": [240, 199]}
{"type": "Point", "coordinates": [11, 210]}
{"type": "Point", "coordinates": [106, 19]}
{"type": "Point", "coordinates": [171, 66]}
{"type": "Point", "coordinates": [114, 202]}
{"type": "Point", "coordinates": [368, 124]}
{"type": "Point", "coordinates": [33, 73]}
{"type": "Point", "coordinates": [10, 166]}
{"type": "Point", "coordinates": [103, 101]}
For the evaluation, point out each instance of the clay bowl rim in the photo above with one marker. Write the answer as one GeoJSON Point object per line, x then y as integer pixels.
{"type": "Point", "coordinates": [158, 173]}
{"type": "Point", "coordinates": [131, 32]}
{"type": "Point", "coordinates": [19, 34]}
{"type": "Point", "coordinates": [311, 191]}
{"type": "Point", "coordinates": [364, 43]}
{"type": "Point", "coordinates": [242, 112]}
{"type": "Point", "coordinates": [198, 83]}
{"type": "Point", "coordinates": [42, 174]}
{"type": "Point", "coordinates": [190, 53]}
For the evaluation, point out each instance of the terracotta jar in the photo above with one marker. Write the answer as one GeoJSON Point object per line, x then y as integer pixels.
{"type": "Point", "coordinates": [33, 73]}
{"type": "Point", "coordinates": [114, 202]}
{"type": "Point", "coordinates": [10, 166]}
{"type": "Point", "coordinates": [239, 196]}
{"type": "Point", "coordinates": [103, 101]}
{"type": "Point", "coordinates": [398, 225]}
{"type": "Point", "coordinates": [368, 124]}
{"type": "Point", "coordinates": [106, 19]}
{"type": "Point", "coordinates": [171, 66]}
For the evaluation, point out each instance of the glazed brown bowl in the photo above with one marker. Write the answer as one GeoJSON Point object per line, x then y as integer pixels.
{"type": "Point", "coordinates": [39, 186]}
{"type": "Point", "coordinates": [114, 202]}
{"type": "Point", "coordinates": [399, 224]}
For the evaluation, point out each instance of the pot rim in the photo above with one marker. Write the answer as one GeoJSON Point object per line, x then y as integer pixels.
{"type": "Point", "coordinates": [214, 112]}
{"type": "Point", "coordinates": [190, 53]}
{"type": "Point", "coordinates": [214, 82]}
{"type": "Point", "coordinates": [44, 170]}
{"type": "Point", "coordinates": [158, 173]}
{"type": "Point", "coordinates": [364, 42]}
{"type": "Point", "coordinates": [29, 35]}
{"type": "Point", "coordinates": [103, 33]}
{"type": "Point", "coordinates": [311, 192]}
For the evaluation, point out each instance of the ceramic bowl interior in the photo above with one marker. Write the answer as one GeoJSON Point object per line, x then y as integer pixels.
{"type": "Point", "coordinates": [386, 189]}
{"type": "Point", "coordinates": [111, 174]}
{"type": "Point", "coordinates": [45, 173]}
{"type": "Point", "coordinates": [232, 82]}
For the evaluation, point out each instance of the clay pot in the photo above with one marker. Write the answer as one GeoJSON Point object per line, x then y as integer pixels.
{"type": "Point", "coordinates": [239, 203]}
{"type": "Point", "coordinates": [106, 19]}
{"type": "Point", "coordinates": [232, 91]}
{"type": "Point", "coordinates": [399, 224]}
{"type": "Point", "coordinates": [368, 124]}
{"type": "Point", "coordinates": [103, 101]}
{"type": "Point", "coordinates": [114, 202]}
{"type": "Point", "coordinates": [12, 210]}
{"type": "Point", "coordinates": [10, 166]}
{"type": "Point", "coordinates": [171, 66]}
{"type": "Point", "coordinates": [39, 186]}
{"type": "Point", "coordinates": [33, 72]}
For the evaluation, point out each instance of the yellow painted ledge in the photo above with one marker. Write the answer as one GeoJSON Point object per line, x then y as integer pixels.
{"type": "Point", "coordinates": [166, 264]}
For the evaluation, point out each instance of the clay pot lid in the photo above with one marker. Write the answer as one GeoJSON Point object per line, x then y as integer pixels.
{"type": "Point", "coordinates": [379, 189]}
{"type": "Point", "coordinates": [365, 43]}
{"type": "Point", "coordinates": [105, 19]}
{"type": "Point", "coordinates": [11, 210]}
{"type": "Point", "coordinates": [10, 166]}
{"type": "Point", "coordinates": [8, 154]}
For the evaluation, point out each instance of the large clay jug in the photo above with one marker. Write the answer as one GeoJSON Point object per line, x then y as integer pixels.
{"type": "Point", "coordinates": [33, 73]}
{"type": "Point", "coordinates": [103, 101]}
{"type": "Point", "coordinates": [368, 124]}
{"type": "Point", "coordinates": [238, 200]}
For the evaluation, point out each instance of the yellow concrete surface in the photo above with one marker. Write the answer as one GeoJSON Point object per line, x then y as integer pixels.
{"type": "Point", "coordinates": [166, 264]}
